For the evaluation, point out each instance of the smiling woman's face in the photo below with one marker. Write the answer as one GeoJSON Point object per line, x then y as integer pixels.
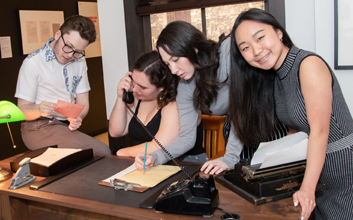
{"type": "Point", "coordinates": [260, 44]}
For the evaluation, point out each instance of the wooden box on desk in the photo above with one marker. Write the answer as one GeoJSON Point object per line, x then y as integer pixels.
{"type": "Point", "coordinates": [60, 165]}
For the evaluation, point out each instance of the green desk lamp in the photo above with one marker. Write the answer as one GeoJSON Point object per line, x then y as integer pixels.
{"type": "Point", "coordinates": [9, 112]}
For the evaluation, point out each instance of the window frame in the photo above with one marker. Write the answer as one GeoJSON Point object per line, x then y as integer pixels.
{"type": "Point", "coordinates": [147, 7]}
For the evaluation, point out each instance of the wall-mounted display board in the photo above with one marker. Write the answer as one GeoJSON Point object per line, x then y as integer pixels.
{"type": "Point", "coordinates": [90, 10]}
{"type": "Point", "coordinates": [37, 27]}
{"type": "Point", "coordinates": [343, 34]}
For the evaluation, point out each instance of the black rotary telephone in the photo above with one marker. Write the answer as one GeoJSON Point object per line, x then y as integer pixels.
{"type": "Point", "coordinates": [191, 196]}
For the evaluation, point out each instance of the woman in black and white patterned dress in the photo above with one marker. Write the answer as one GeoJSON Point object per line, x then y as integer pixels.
{"type": "Point", "coordinates": [296, 88]}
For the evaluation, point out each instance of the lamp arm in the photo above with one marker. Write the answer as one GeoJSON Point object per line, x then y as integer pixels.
{"type": "Point", "coordinates": [8, 126]}
{"type": "Point", "coordinates": [13, 143]}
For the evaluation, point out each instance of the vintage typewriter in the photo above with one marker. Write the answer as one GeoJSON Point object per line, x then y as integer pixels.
{"type": "Point", "coordinates": [259, 186]}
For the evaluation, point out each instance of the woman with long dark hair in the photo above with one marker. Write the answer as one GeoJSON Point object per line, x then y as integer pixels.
{"type": "Point", "coordinates": [203, 68]}
{"type": "Point", "coordinates": [274, 82]}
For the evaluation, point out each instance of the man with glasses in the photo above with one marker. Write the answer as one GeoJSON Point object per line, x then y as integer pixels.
{"type": "Point", "coordinates": [57, 71]}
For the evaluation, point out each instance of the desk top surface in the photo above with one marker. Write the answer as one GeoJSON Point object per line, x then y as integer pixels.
{"type": "Point", "coordinates": [228, 201]}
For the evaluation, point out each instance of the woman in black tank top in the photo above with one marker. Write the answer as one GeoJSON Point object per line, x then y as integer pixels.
{"type": "Point", "coordinates": [154, 104]}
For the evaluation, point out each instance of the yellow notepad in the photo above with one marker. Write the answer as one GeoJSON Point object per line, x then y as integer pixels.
{"type": "Point", "coordinates": [151, 178]}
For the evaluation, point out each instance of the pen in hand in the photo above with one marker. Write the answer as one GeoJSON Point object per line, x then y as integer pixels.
{"type": "Point", "coordinates": [144, 159]}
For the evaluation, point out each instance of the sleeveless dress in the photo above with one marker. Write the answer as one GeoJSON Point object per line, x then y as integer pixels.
{"type": "Point", "coordinates": [139, 134]}
{"type": "Point", "coordinates": [336, 200]}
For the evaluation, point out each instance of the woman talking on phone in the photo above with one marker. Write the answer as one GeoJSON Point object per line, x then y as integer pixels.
{"type": "Point", "coordinates": [154, 104]}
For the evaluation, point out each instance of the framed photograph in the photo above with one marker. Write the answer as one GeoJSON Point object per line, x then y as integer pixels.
{"type": "Point", "coordinates": [343, 34]}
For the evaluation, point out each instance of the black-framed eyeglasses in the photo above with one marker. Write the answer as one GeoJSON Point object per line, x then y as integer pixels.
{"type": "Point", "coordinates": [69, 49]}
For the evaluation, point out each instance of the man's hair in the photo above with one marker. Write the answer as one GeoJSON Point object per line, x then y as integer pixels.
{"type": "Point", "coordinates": [83, 25]}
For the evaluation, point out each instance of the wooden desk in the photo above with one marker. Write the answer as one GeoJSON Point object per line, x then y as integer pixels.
{"type": "Point", "coordinates": [26, 204]}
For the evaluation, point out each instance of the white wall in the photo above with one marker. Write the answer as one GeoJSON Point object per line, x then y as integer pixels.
{"type": "Point", "coordinates": [310, 24]}
{"type": "Point", "coordinates": [114, 49]}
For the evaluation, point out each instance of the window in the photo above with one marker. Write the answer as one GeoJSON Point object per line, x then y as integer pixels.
{"type": "Point", "coordinates": [160, 20]}
{"type": "Point", "coordinates": [219, 19]}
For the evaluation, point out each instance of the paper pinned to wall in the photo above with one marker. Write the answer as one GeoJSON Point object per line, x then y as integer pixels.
{"type": "Point", "coordinates": [90, 10]}
{"type": "Point", "coordinates": [281, 151]}
{"type": "Point", "coordinates": [5, 44]}
{"type": "Point", "coordinates": [37, 27]}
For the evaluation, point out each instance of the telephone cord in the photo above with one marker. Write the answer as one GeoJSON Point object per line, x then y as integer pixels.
{"type": "Point", "coordinates": [159, 144]}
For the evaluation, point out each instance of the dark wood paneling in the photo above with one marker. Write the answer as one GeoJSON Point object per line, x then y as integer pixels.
{"type": "Point", "coordinates": [94, 123]}
{"type": "Point", "coordinates": [135, 37]}
{"type": "Point", "coordinates": [276, 8]}
{"type": "Point", "coordinates": [147, 33]}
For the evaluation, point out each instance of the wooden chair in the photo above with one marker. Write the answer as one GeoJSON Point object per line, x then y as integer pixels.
{"type": "Point", "coordinates": [213, 138]}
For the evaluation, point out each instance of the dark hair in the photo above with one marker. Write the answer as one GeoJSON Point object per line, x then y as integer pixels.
{"type": "Point", "coordinates": [180, 39]}
{"type": "Point", "coordinates": [83, 25]}
{"type": "Point", "coordinates": [158, 75]}
{"type": "Point", "coordinates": [251, 94]}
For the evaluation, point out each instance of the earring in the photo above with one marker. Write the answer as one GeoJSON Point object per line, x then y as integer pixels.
{"type": "Point", "coordinates": [282, 39]}
{"type": "Point", "coordinates": [161, 96]}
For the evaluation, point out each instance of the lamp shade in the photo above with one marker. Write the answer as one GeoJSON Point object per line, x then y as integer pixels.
{"type": "Point", "coordinates": [9, 112]}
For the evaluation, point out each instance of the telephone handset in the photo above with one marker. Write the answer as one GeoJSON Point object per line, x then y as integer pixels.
{"type": "Point", "coordinates": [195, 196]}
{"type": "Point", "coordinates": [128, 97]}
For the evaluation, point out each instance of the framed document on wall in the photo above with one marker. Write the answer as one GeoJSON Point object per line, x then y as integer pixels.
{"type": "Point", "coordinates": [343, 34]}
{"type": "Point", "coordinates": [37, 27]}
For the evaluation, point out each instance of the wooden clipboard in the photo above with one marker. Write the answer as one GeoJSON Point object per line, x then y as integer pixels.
{"type": "Point", "coordinates": [135, 188]}
{"type": "Point", "coordinates": [141, 182]}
